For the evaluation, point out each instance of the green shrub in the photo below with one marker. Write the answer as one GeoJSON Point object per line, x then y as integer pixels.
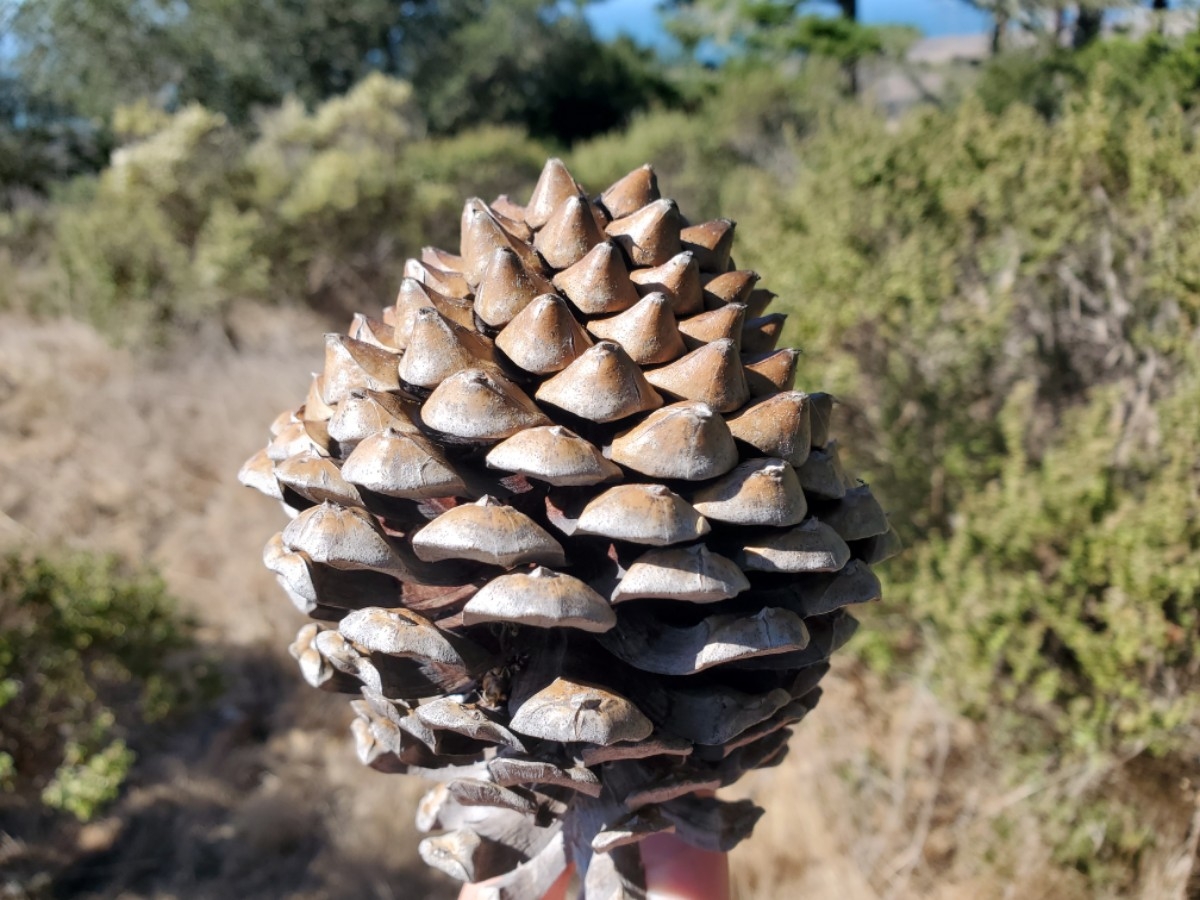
{"type": "Point", "coordinates": [88, 654]}
{"type": "Point", "coordinates": [319, 207]}
{"type": "Point", "coordinates": [1155, 70]}
{"type": "Point", "coordinates": [1068, 591]}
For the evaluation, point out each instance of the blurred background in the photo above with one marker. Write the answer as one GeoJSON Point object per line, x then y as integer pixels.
{"type": "Point", "coordinates": [984, 221]}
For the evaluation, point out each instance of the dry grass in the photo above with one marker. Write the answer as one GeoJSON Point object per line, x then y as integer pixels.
{"type": "Point", "coordinates": [885, 795]}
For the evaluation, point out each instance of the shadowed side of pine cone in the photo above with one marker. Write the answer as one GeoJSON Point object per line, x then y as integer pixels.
{"type": "Point", "coordinates": [570, 535]}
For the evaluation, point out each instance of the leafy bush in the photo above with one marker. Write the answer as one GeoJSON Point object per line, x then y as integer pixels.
{"type": "Point", "coordinates": [88, 653]}
{"type": "Point", "coordinates": [1155, 70]}
{"type": "Point", "coordinates": [1068, 592]}
{"type": "Point", "coordinates": [320, 207]}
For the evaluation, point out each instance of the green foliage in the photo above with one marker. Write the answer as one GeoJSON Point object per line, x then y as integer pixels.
{"type": "Point", "coordinates": [1157, 70]}
{"type": "Point", "coordinates": [88, 781]}
{"type": "Point", "coordinates": [772, 30]}
{"type": "Point", "coordinates": [95, 55]}
{"type": "Point", "coordinates": [529, 63]}
{"type": "Point", "coordinates": [516, 63]}
{"type": "Point", "coordinates": [1068, 591]}
{"type": "Point", "coordinates": [87, 654]}
{"type": "Point", "coordinates": [39, 145]}
{"type": "Point", "coordinates": [321, 207]}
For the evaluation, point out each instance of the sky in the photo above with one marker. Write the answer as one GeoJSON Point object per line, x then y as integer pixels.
{"type": "Point", "coordinates": [640, 20]}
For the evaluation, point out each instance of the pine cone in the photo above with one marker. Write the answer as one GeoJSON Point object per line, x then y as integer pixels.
{"type": "Point", "coordinates": [576, 543]}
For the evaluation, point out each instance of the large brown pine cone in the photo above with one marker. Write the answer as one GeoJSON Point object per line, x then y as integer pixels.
{"type": "Point", "coordinates": [575, 541]}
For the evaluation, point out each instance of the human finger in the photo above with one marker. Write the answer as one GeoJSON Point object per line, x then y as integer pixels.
{"type": "Point", "coordinates": [675, 870]}
{"type": "Point", "coordinates": [558, 891]}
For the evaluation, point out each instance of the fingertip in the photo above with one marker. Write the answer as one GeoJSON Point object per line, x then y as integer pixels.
{"type": "Point", "coordinates": [675, 870]}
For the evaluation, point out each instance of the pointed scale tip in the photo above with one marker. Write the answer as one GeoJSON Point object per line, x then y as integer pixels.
{"type": "Point", "coordinates": [602, 385]}
{"type": "Point", "coordinates": [678, 278]}
{"type": "Point", "coordinates": [554, 186]}
{"type": "Point", "coordinates": [569, 234]}
{"type": "Point", "coordinates": [649, 236]}
{"type": "Point", "coordinates": [711, 374]}
{"type": "Point", "coordinates": [544, 337]}
{"type": "Point", "coordinates": [647, 331]}
{"type": "Point", "coordinates": [599, 283]}
{"type": "Point", "coordinates": [631, 192]}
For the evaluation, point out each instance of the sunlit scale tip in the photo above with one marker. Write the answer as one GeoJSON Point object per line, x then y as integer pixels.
{"type": "Point", "coordinates": [821, 411]}
{"type": "Point", "coordinates": [508, 208]}
{"type": "Point", "coordinates": [777, 425]}
{"type": "Point", "coordinates": [414, 296]}
{"type": "Point", "coordinates": [858, 515]}
{"type": "Point", "coordinates": [555, 455]}
{"type": "Point", "coordinates": [541, 598]}
{"type": "Point", "coordinates": [351, 365]}
{"type": "Point", "coordinates": [821, 474]}
{"type": "Point", "coordinates": [650, 236]}
{"type": "Point", "coordinates": [315, 407]}
{"type": "Point", "coordinates": [317, 479]}
{"type": "Point", "coordinates": [569, 712]}
{"type": "Point", "coordinates": [599, 282]}
{"type": "Point", "coordinates": [712, 243]}
{"type": "Point", "coordinates": [437, 348]}
{"type": "Point", "coordinates": [366, 412]}
{"type": "Point", "coordinates": [729, 287]}
{"type": "Point", "coordinates": [658, 647]}
{"type": "Point", "coordinates": [292, 573]}
{"type": "Point", "coordinates": [769, 373]}
{"type": "Point", "coordinates": [684, 440]}
{"type": "Point", "coordinates": [452, 284]}
{"type": "Point", "coordinates": [475, 405]}
{"type": "Point", "coordinates": [689, 574]}
{"type": "Point", "coordinates": [642, 514]}
{"type": "Point", "coordinates": [372, 331]}
{"type": "Point", "coordinates": [281, 421]}
{"type": "Point", "coordinates": [344, 538]}
{"type": "Point", "coordinates": [631, 192]}
{"type": "Point", "coordinates": [758, 301]}
{"type": "Point", "coordinates": [812, 546]}
{"type": "Point", "coordinates": [482, 235]}
{"type": "Point", "coordinates": [515, 228]}
{"type": "Point", "coordinates": [487, 532]}
{"type": "Point", "coordinates": [442, 259]}
{"type": "Point", "coordinates": [762, 334]}
{"type": "Point", "coordinates": [293, 438]}
{"type": "Point", "coordinates": [602, 385]}
{"type": "Point", "coordinates": [544, 337]}
{"type": "Point", "coordinates": [506, 288]}
{"type": "Point", "coordinates": [554, 185]}
{"type": "Point", "coordinates": [726, 322]}
{"type": "Point", "coordinates": [646, 331]}
{"type": "Point", "coordinates": [678, 278]}
{"type": "Point", "coordinates": [756, 492]}
{"type": "Point", "coordinates": [258, 472]}
{"type": "Point", "coordinates": [711, 374]}
{"type": "Point", "coordinates": [569, 234]}
{"type": "Point", "coordinates": [402, 465]}
{"type": "Point", "coordinates": [403, 633]}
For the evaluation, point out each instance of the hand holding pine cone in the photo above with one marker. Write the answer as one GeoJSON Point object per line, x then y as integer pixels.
{"type": "Point", "coordinates": [573, 538]}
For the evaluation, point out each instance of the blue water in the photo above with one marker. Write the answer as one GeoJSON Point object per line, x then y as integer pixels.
{"type": "Point", "coordinates": [640, 19]}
